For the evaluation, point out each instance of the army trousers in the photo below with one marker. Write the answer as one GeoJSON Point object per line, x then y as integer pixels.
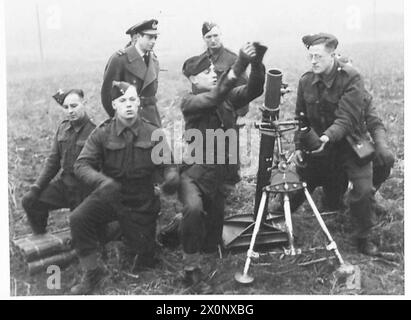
{"type": "Point", "coordinates": [203, 217]}
{"type": "Point", "coordinates": [335, 188]}
{"type": "Point", "coordinates": [361, 199]}
{"type": "Point", "coordinates": [138, 227]}
{"type": "Point", "coordinates": [55, 196]}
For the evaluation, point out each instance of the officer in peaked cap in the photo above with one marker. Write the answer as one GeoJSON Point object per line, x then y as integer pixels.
{"type": "Point", "coordinates": [146, 27]}
{"type": "Point", "coordinates": [136, 64]}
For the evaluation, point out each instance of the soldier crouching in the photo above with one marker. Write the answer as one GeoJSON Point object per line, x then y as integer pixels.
{"type": "Point", "coordinates": [65, 191]}
{"type": "Point", "coordinates": [117, 161]}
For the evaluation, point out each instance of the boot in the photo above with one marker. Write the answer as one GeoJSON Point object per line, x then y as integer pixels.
{"type": "Point", "coordinates": [93, 274]}
{"type": "Point", "coordinates": [89, 282]}
{"type": "Point", "coordinates": [194, 278]}
{"type": "Point", "coordinates": [366, 246]}
{"type": "Point", "coordinates": [193, 275]}
{"type": "Point", "coordinates": [169, 235]}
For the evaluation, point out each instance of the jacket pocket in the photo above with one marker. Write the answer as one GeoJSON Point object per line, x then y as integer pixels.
{"type": "Point", "coordinates": [142, 154]}
{"type": "Point", "coordinates": [114, 153]}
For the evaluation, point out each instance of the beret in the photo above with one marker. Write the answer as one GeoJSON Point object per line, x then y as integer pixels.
{"type": "Point", "coordinates": [207, 26]}
{"type": "Point", "coordinates": [146, 26]}
{"type": "Point", "coordinates": [195, 65]}
{"type": "Point", "coordinates": [62, 94]}
{"type": "Point", "coordinates": [118, 89]}
{"type": "Point", "coordinates": [321, 37]}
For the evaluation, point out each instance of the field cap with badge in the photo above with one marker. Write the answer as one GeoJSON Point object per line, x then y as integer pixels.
{"type": "Point", "coordinates": [148, 27]}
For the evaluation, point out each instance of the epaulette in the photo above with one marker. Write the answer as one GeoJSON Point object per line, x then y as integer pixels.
{"type": "Point", "coordinates": [230, 52]}
{"type": "Point", "coordinates": [306, 74]}
{"type": "Point", "coordinates": [105, 122]}
{"type": "Point", "coordinates": [91, 120]}
{"type": "Point", "coordinates": [63, 125]}
{"type": "Point", "coordinates": [120, 52]}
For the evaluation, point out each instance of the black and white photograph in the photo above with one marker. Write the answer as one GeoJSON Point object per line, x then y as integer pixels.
{"type": "Point", "coordinates": [204, 148]}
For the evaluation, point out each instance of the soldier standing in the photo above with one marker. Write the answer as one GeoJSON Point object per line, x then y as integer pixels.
{"type": "Point", "coordinates": [117, 162]}
{"type": "Point", "coordinates": [138, 66]}
{"type": "Point", "coordinates": [66, 191]}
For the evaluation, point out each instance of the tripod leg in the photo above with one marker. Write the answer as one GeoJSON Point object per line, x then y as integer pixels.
{"type": "Point", "coordinates": [332, 245]}
{"type": "Point", "coordinates": [289, 224]}
{"type": "Point", "coordinates": [244, 278]}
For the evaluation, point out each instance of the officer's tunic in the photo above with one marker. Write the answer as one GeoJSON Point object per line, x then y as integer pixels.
{"type": "Point", "coordinates": [130, 67]}
{"type": "Point", "coordinates": [65, 191]}
{"type": "Point", "coordinates": [200, 184]}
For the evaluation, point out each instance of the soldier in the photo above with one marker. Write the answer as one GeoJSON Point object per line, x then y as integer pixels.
{"type": "Point", "coordinates": [211, 105]}
{"type": "Point", "coordinates": [384, 158]}
{"type": "Point", "coordinates": [117, 161]}
{"type": "Point", "coordinates": [222, 59]}
{"type": "Point", "coordinates": [381, 165]}
{"type": "Point", "coordinates": [138, 66]}
{"type": "Point", "coordinates": [65, 191]}
{"type": "Point", "coordinates": [333, 97]}
{"type": "Point", "coordinates": [335, 187]}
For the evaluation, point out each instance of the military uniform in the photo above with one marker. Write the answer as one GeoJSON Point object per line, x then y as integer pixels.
{"type": "Point", "coordinates": [117, 153]}
{"type": "Point", "coordinates": [222, 59]}
{"type": "Point", "coordinates": [66, 191]}
{"type": "Point", "coordinates": [200, 190]}
{"type": "Point", "coordinates": [335, 187]}
{"type": "Point", "coordinates": [335, 106]}
{"type": "Point", "coordinates": [130, 67]}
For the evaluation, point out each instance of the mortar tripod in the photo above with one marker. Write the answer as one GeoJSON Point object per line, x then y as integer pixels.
{"type": "Point", "coordinates": [285, 180]}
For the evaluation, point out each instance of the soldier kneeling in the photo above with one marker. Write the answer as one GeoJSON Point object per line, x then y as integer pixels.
{"type": "Point", "coordinates": [117, 161]}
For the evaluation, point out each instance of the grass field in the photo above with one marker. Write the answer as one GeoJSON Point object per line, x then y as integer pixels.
{"type": "Point", "coordinates": [33, 117]}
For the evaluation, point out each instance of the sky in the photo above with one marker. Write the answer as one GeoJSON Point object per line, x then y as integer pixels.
{"type": "Point", "coordinates": [94, 29]}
